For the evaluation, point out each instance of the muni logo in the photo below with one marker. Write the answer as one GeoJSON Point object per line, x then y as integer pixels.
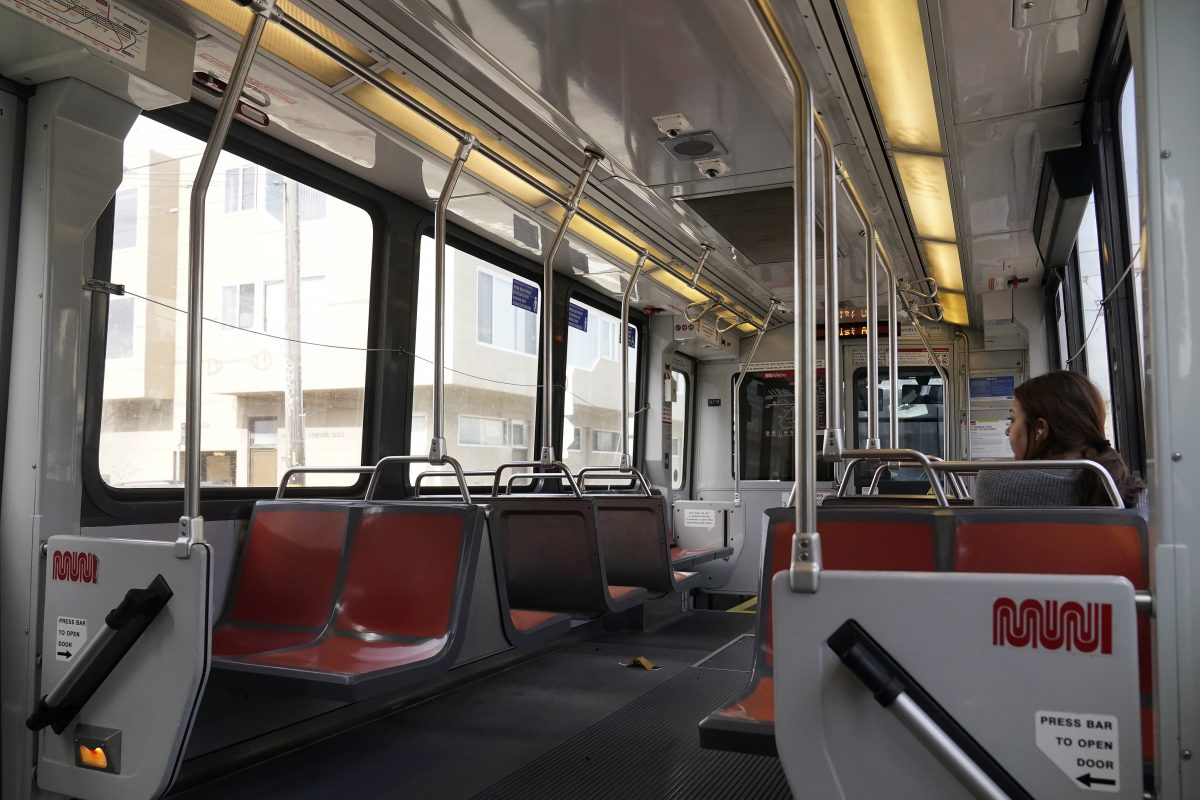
{"type": "Point", "coordinates": [1051, 625]}
{"type": "Point", "coordinates": [70, 565]}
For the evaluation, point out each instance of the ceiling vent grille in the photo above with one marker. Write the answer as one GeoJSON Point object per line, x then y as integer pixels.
{"type": "Point", "coordinates": [691, 146]}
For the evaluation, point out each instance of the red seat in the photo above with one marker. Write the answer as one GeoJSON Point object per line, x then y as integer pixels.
{"type": "Point", "coordinates": [401, 603]}
{"type": "Point", "coordinates": [284, 587]}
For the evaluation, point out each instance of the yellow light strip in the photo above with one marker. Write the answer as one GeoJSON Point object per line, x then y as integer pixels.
{"type": "Point", "coordinates": [282, 44]}
{"type": "Point", "coordinates": [954, 304]}
{"type": "Point", "coordinates": [892, 44]}
{"type": "Point", "coordinates": [944, 263]}
{"type": "Point", "coordinates": [417, 127]}
{"type": "Point", "coordinates": [928, 192]}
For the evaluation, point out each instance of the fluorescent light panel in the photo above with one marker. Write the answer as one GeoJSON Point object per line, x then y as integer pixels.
{"type": "Point", "coordinates": [954, 304]}
{"type": "Point", "coordinates": [943, 261]}
{"type": "Point", "coordinates": [892, 44]}
{"type": "Point", "coordinates": [928, 192]}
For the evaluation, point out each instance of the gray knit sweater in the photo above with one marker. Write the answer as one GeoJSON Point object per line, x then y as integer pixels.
{"type": "Point", "coordinates": [1035, 487]}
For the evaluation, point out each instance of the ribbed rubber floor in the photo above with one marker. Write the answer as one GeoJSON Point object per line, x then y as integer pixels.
{"type": "Point", "coordinates": [649, 750]}
{"type": "Point", "coordinates": [737, 655]}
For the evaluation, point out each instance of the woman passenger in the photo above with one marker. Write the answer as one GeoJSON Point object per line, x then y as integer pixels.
{"type": "Point", "coordinates": [1059, 415]}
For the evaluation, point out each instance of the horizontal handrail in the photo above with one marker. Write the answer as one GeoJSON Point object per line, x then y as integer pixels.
{"type": "Point", "coordinates": [1106, 479]}
{"type": "Point", "coordinates": [388, 460]}
{"type": "Point", "coordinates": [613, 472]}
{"type": "Point", "coordinates": [856, 457]}
{"type": "Point", "coordinates": [294, 471]}
{"type": "Point", "coordinates": [430, 473]}
{"type": "Point", "coordinates": [559, 468]}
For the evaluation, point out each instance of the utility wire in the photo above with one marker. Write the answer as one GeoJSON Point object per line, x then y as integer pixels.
{"type": "Point", "coordinates": [1103, 304]}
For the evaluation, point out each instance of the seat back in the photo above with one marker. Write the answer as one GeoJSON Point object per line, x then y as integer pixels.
{"type": "Point", "coordinates": [633, 538]}
{"type": "Point", "coordinates": [408, 569]}
{"type": "Point", "coordinates": [290, 565]}
{"type": "Point", "coordinates": [551, 553]}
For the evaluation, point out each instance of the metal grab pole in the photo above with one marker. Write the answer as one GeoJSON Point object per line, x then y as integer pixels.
{"type": "Point", "coordinates": [624, 345]}
{"type": "Point", "coordinates": [834, 441]}
{"type": "Point", "coordinates": [592, 159]}
{"type": "Point", "coordinates": [872, 339]}
{"type": "Point", "coordinates": [804, 336]}
{"type": "Point", "coordinates": [191, 524]}
{"type": "Point", "coordinates": [737, 408]}
{"type": "Point", "coordinates": [437, 446]}
{"type": "Point", "coordinates": [893, 358]}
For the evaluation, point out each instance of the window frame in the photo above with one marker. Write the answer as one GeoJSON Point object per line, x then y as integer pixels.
{"type": "Point", "coordinates": [1101, 135]}
{"type": "Point", "coordinates": [395, 226]}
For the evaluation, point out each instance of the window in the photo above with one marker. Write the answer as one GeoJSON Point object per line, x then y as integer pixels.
{"type": "Point", "coordinates": [678, 400]}
{"type": "Point", "coordinates": [241, 188]}
{"type": "Point", "coordinates": [310, 203]}
{"type": "Point", "coordinates": [482, 431]}
{"type": "Point", "coordinates": [491, 365]}
{"type": "Point", "coordinates": [1095, 323]}
{"type": "Point", "coordinates": [125, 227]}
{"type": "Point", "coordinates": [258, 392]}
{"type": "Point", "coordinates": [592, 399]}
{"type": "Point", "coordinates": [120, 326]}
{"type": "Point", "coordinates": [237, 305]}
{"type": "Point", "coordinates": [499, 320]}
{"type": "Point", "coordinates": [606, 442]}
{"type": "Point", "coordinates": [1128, 143]}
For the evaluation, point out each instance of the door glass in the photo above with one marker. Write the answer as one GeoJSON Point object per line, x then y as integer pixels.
{"type": "Point", "coordinates": [679, 405]}
{"type": "Point", "coordinates": [1133, 202]}
{"type": "Point", "coordinates": [921, 412]}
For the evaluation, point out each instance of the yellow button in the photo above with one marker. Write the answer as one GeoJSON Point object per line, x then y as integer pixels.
{"type": "Point", "coordinates": [93, 757]}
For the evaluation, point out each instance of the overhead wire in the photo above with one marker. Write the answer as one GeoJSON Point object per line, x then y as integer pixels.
{"type": "Point", "coordinates": [1103, 304]}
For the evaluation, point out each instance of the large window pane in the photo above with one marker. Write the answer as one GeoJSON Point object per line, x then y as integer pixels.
{"type": "Point", "coordinates": [592, 429]}
{"type": "Point", "coordinates": [491, 363]}
{"type": "Point", "coordinates": [268, 404]}
{"type": "Point", "coordinates": [679, 405]}
{"type": "Point", "coordinates": [1095, 326]}
{"type": "Point", "coordinates": [1133, 202]}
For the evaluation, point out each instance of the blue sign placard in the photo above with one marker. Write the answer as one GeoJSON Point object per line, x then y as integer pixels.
{"type": "Point", "coordinates": [577, 317]}
{"type": "Point", "coordinates": [993, 386]}
{"type": "Point", "coordinates": [631, 339]}
{"type": "Point", "coordinates": [525, 295]}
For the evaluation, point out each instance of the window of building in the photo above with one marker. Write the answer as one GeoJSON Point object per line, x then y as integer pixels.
{"type": "Point", "coordinates": [678, 400]}
{"type": "Point", "coordinates": [606, 442]}
{"type": "Point", "coordinates": [482, 431]}
{"type": "Point", "coordinates": [314, 392]}
{"type": "Point", "coordinates": [491, 368]}
{"type": "Point", "coordinates": [125, 227]}
{"type": "Point", "coordinates": [499, 321]}
{"type": "Point", "coordinates": [241, 188]}
{"type": "Point", "coordinates": [575, 443]}
{"type": "Point", "coordinates": [592, 400]}
{"type": "Point", "coordinates": [310, 203]}
{"type": "Point", "coordinates": [120, 326]}
{"type": "Point", "coordinates": [237, 305]}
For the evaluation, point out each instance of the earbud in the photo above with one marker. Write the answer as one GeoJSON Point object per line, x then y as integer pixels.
{"type": "Point", "coordinates": [1038, 435]}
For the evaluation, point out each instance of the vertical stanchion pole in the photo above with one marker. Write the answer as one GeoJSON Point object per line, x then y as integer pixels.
{"type": "Point", "coordinates": [893, 359]}
{"type": "Point", "coordinates": [737, 406]}
{"type": "Point", "coordinates": [437, 446]}
{"type": "Point", "coordinates": [624, 345]}
{"type": "Point", "coordinates": [592, 158]}
{"type": "Point", "coordinates": [834, 442]}
{"type": "Point", "coordinates": [191, 524]}
{"type": "Point", "coordinates": [872, 339]}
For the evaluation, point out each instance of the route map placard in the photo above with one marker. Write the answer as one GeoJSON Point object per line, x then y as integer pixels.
{"type": "Point", "coordinates": [102, 25]}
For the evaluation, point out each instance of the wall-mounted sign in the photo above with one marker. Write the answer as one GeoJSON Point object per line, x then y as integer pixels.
{"type": "Point", "coordinates": [525, 295]}
{"type": "Point", "coordinates": [577, 317]}
{"type": "Point", "coordinates": [855, 330]}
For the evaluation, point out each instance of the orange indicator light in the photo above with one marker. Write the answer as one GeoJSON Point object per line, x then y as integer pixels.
{"type": "Point", "coordinates": [93, 757]}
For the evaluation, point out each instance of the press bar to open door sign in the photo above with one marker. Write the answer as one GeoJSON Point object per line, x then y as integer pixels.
{"type": "Point", "coordinates": [123, 626]}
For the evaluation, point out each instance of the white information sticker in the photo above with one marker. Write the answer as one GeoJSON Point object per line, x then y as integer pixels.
{"type": "Point", "coordinates": [1084, 746]}
{"type": "Point", "coordinates": [699, 517]}
{"type": "Point", "coordinates": [69, 638]}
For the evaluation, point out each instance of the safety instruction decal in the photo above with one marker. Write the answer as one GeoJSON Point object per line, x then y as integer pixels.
{"type": "Point", "coordinates": [108, 27]}
{"type": "Point", "coordinates": [69, 637]}
{"type": "Point", "coordinates": [699, 517]}
{"type": "Point", "coordinates": [1084, 746]}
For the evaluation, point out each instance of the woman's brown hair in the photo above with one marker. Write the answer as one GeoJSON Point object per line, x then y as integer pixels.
{"type": "Point", "coordinates": [1072, 406]}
